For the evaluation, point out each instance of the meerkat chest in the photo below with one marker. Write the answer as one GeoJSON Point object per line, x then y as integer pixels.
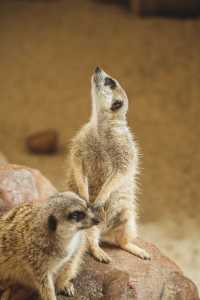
{"type": "Point", "coordinates": [74, 245]}
{"type": "Point", "coordinates": [70, 250]}
{"type": "Point", "coordinates": [120, 147]}
{"type": "Point", "coordinates": [96, 159]}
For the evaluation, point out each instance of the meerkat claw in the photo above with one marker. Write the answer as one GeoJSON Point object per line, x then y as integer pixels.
{"type": "Point", "coordinates": [68, 290]}
{"type": "Point", "coordinates": [144, 255]}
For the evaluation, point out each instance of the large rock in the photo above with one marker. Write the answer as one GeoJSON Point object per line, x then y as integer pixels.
{"type": "Point", "coordinates": [20, 183]}
{"type": "Point", "coordinates": [157, 279]}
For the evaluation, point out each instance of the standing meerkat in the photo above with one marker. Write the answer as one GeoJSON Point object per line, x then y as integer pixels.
{"type": "Point", "coordinates": [41, 244]}
{"type": "Point", "coordinates": [103, 165]}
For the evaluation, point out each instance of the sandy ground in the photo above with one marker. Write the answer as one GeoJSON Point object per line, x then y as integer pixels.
{"type": "Point", "coordinates": [47, 54]}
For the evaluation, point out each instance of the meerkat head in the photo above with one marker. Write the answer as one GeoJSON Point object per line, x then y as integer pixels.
{"type": "Point", "coordinates": [68, 213]}
{"type": "Point", "coordinates": [107, 95]}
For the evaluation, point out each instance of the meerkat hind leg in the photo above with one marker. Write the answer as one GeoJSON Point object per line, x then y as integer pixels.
{"type": "Point", "coordinates": [93, 240]}
{"type": "Point", "coordinates": [132, 248]}
{"type": "Point", "coordinates": [123, 237]}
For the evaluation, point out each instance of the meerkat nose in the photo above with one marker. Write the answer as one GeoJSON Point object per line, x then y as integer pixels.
{"type": "Point", "coordinates": [97, 70]}
{"type": "Point", "coordinates": [95, 221]}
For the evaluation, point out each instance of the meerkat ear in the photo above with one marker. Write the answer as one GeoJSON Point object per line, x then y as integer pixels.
{"type": "Point", "coordinates": [52, 223]}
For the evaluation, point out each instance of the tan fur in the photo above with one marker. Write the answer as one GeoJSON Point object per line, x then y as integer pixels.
{"type": "Point", "coordinates": [102, 168]}
{"type": "Point", "coordinates": [41, 247]}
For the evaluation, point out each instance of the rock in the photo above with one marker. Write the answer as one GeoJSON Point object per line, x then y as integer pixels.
{"type": "Point", "coordinates": [3, 159]}
{"type": "Point", "coordinates": [43, 141]}
{"type": "Point", "coordinates": [157, 279]}
{"type": "Point", "coordinates": [115, 285]}
{"type": "Point", "coordinates": [179, 287]}
{"type": "Point", "coordinates": [20, 183]}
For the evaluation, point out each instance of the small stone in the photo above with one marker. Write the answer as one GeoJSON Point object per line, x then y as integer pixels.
{"type": "Point", "coordinates": [43, 142]}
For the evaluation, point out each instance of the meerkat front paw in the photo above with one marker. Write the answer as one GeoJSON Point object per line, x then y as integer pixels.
{"type": "Point", "coordinates": [67, 290]}
{"type": "Point", "coordinates": [101, 255]}
{"type": "Point", "coordinates": [97, 205]}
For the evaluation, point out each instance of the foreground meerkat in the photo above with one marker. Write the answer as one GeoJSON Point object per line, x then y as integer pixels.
{"type": "Point", "coordinates": [41, 244]}
{"type": "Point", "coordinates": [103, 165]}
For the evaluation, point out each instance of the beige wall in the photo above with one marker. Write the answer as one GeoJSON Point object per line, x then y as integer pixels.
{"type": "Point", "coordinates": [47, 55]}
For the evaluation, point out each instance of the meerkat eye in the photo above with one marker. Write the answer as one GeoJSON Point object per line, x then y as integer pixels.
{"type": "Point", "coordinates": [116, 104]}
{"type": "Point", "coordinates": [77, 215]}
{"type": "Point", "coordinates": [110, 82]}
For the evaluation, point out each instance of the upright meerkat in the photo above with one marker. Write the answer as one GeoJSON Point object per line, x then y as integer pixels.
{"type": "Point", "coordinates": [103, 165]}
{"type": "Point", "coordinates": [41, 244]}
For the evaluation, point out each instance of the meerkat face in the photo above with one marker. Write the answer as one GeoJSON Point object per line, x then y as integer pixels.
{"type": "Point", "coordinates": [107, 94]}
{"type": "Point", "coordinates": [69, 213]}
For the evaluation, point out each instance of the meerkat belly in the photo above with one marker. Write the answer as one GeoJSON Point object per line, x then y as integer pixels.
{"type": "Point", "coordinates": [97, 175]}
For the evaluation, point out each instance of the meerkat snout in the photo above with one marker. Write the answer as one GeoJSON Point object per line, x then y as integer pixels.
{"type": "Point", "coordinates": [107, 94]}
{"type": "Point", "coordinates": [97, 70]}
{"type": "Point", "coordinates": [100, 75]}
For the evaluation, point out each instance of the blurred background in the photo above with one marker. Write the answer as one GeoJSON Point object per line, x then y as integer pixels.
{"type": "Point", "coordinates": [48, 51]}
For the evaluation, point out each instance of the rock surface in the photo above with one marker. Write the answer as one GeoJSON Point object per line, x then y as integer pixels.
{"type": "Point", "coordinates": [20, 183]}
{"type": "Point", "coordinates": [44, 142]}
{"type": "Point", "coordinates": [157, 279]}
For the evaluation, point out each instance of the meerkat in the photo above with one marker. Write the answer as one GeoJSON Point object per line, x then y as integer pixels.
{"type": "Point", "coordinates": [103, 165]}
{"type": "Point", "coordinates": [42, 244]}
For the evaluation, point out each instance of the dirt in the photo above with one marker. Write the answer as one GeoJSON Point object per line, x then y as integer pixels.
{"type": "Point", "coordinates": [48, 51]}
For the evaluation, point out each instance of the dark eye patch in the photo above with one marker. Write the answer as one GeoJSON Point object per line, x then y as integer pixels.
{"type": "Point", "coordinates": [117, 104]}
{"type": "Point", "coordinates": [52, 223]}
{"type": "Point", "coordinates": [77, 215]}
{"type": "Point", "coordinates": [110, 82]}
